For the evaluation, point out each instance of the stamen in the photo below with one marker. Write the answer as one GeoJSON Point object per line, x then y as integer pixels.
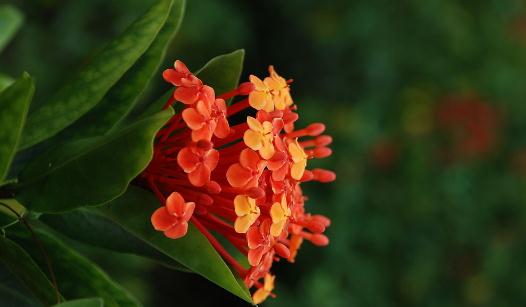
{"type": "Point", "coordinates": [220, 249]}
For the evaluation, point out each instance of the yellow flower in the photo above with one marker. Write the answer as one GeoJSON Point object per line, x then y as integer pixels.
{"type": "Point", "coordinates": [271, 93]}
{"type": "Point", "coordinates": [260, 98]}
{"type": "Point", "coordinates": [247, 213]}
{"type": "Point", "coordinates": [279, 89]}
{"type": "Point", "coordinates": [299, 159]}
{"type": "Point", "coordinates": [259, 137]}
{"type": "Point", "coordinates": [262, 293]}
{"type": "Point", "coordinates": [279, 212]}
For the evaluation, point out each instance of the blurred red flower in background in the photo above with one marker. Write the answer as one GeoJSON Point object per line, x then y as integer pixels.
{"type": "Point", "coordinates": [470, 125]}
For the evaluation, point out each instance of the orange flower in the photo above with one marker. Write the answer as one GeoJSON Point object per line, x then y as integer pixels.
{"type": "Point", "coordinates": [173, 218]}
{"type": "Point", "coordinates": [259, 137]}
{"type": "Point", "coordinates": [271, 93]}
{"type": "Point", "coordinates": [246, 173]}
{"type": "Point", "coordinates": [260, 98]}
{"type": "Point", "coordinates": [180, 75]}
{"type": "Point", "coordinates": [198, 160]}
{"type": "Point", "coordinates": [190, 88]}
{"type": "Point", "coordinates": [279, 89]}
{"type": "Point", "coordinates": [247, 213]}
{"type": "Point", "coordinates": [299, 159]}
{"type": "Point", "coordinates": [259, 242]}
{"type": "Point", "coordinates": [262, 293]}
{"type": "Point", "coordinates": [207, 118]}
{"type": "Point", "coordinates": [280, 213]}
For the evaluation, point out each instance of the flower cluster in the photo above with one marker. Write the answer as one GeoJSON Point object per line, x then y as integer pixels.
{"type": "Point", "coordinates": [236, 170]}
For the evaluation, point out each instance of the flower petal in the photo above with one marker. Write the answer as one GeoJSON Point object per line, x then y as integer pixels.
{"type": "Point", "coordinates": [269, 283]}
{"type": "Point", "coordinates": [277, 228]}
{"type": "Point", "coordinates": [200, 176]}
{"type": "Point", "coordinates": [276, 213]}
{"type": "Point", "coordinates": [258, 100]}
{"type": "Point", "coordinates": [187, 160]}
{"type": "Point", "coordinates": [172, 76]}
{"type": "Point", "coordinates": [255, 255]}
{"type": "Point", "coordinates": [296, 151]}
{"type": "Point", "coordinates": [162, 220]}
{"type": "Point", "coordinates": [177, 231]}
{"type": "Point", "coordinates": [253, 139]}
{"type": "Point", "coordinates": [203, 108]}
{"type": "Point", "coordinates": [254, 237]}
{"type": "Point", "coordinates": [273, 83]}
{"type": "Point", "coordinates": [258, 83]}
{"type": "Point", "coordinates": [237, 175]}
{"type": "Point", "coordinates": [249, 159]}
{"type": "Point", "coordinates": [241, 205]}
{"type": "Point", "coordinates": [188, 211]}
{"type": "Point", "coordinates": [298, 169]}
{"type": "Point", "coordinates": [243, 223]}
{"type": "Point", "coordinates": [223, 128]}
{"type": "Point", "coordinates": [267, 151]}
{"type": "Point", "coordinates": [175, 204]}
{"type": "Point", "coordinates": [186, 95]}
{"type": "Point", "coordinates": [254, 124]}
{"type": "Point", "coordinates": [267, 127]}
{"type": "Point", "coordinates": [181, 67]}
{"type": "Point", "coordinates": [211, 159]}
{"type": "Point", "coordinates": [193, 119]}
{"type": "Point", "coordinates": [260, 296]}
{"type": "Point", "coordinates": [203, 134]}
{"type": "Point", "coordinates": [207, 95]}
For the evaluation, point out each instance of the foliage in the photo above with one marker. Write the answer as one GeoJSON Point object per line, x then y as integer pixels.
{"type": "Point", "coordinates": [413, 224]}
{"type": "Point", "coordinates": [60, 147]}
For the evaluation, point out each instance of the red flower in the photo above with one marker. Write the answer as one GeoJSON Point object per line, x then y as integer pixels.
{"type": "Point", "coordinates": [179, 76]}
{"type": "Point", "coordinates": [246, 173]}
{"type": "Point", "coordinates": [243, 181]}
{"type": "Point", "coordinates": [190, 88]}
{"type": "Point", "coordinates": [259, 242]}
{"type": "Point", "coordinates": [173, 218]}
{"type": "Point", "coordinates": [198, 160]}
{"type": "Point", "coordinates": [471, 125]}
{"type": "Point", "coordinates": [207, 118]}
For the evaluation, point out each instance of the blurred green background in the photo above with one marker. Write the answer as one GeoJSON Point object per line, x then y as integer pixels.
{"type": "Point", "coordinates": [426, 103]}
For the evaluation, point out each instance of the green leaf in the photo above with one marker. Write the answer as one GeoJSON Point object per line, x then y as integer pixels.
{"type": "Point", "coordinates": [120, 100]}
{"type": "Point", "coordinates": [132, 211]}
{"type": "Point", "coordinates": [77, 276]}
{"type": "Point", "coordinates": [5, 81]}
{"type": "Point", "coordinates": [84, 90]}
{"type": "Point", "coordinates": [90, 171]}
{"type": "Point", "coordinates": [10, 21]}
{"type": "Point", "coordinates": [14, 103]}
{"type": "Point", "coordinates": [20, 263]}
{"type": "Point", "coordinates": [157, 105]}
{"type": "Point", "coordinates": [8, 217]}
{"type": "Point", "coordinates": [90, 227]}
{"type": "Point", "coordinates": [10, 297]}
{"type": "Point", "coordinates": [7, 220]}
{"type": "Point", "coordinates": [84, 302]}
{"type": "Point", "coordinates": [223, 72]}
